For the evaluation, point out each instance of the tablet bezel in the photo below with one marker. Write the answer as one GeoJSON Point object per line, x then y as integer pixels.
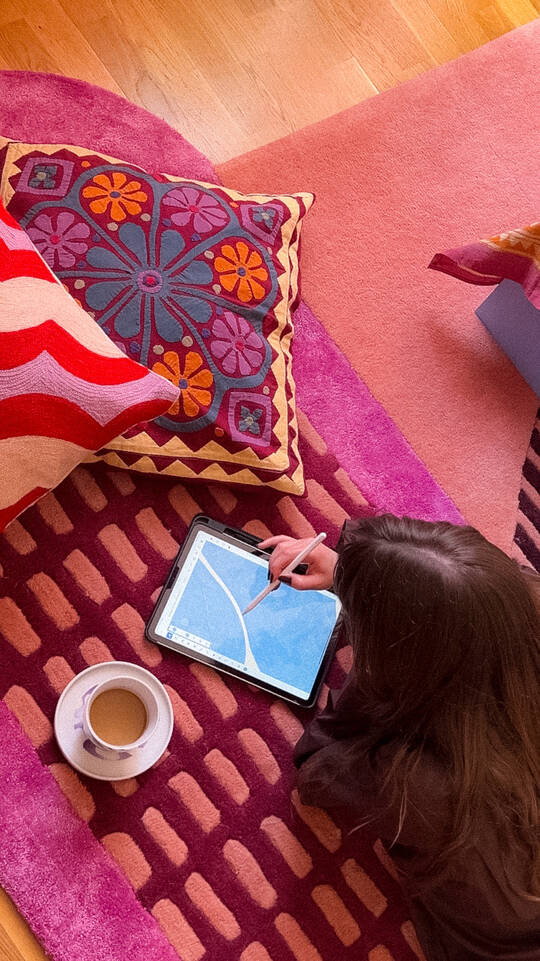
{"type": "Point", "coordinates": [249, 543]}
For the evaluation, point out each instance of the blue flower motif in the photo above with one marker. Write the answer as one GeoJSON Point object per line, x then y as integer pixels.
{"type": "Point", "coordinates": [136, 290]}
{"type": "Point", "coordinates": [44, 176]}
{"type": "Point", "coordinates": [264, 215]}
{"type": "Point", "coordinates": [249, 419]}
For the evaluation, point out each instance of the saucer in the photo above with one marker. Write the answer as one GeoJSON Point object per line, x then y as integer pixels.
{"type": "Point", "coordinates": [71, 739]}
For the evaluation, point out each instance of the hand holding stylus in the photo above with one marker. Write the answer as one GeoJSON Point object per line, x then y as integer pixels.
{"type": "Point", "coordinates": [321, 562]}
{"type": "Point", "coordinates": [306, 548]}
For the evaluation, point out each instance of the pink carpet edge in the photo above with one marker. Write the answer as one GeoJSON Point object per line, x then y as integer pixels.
{"type": "Point", "coordinates": [53, 867]}
{"type": "Point", "coordinates": [86, 127]}
{"type": "Point", "coordinates": [439, 68]}
{"type": "Point", "coordinates": [387, 470]}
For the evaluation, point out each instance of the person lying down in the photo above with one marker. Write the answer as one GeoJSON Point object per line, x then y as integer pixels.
{"type": "Point", "coordinates": [433, 743]}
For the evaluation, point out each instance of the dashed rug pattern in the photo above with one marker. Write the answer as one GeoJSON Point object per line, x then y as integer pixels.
{"type": "Point", "coordinates": [213, 839]}
{"type": "Point", "coordinates": [527, 536]}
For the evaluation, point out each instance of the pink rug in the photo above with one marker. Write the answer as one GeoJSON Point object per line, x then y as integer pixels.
{"type": "Point", "coordinates": [446, 158]}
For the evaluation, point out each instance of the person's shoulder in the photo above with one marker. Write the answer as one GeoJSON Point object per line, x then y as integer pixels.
{"type": "Point", "coordinates": [418, 797]}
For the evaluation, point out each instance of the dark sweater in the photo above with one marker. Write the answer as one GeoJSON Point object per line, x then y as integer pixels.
{"type": "Point", "coordinates": [470, 913]}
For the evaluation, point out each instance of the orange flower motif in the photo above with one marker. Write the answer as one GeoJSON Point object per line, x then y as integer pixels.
{"type": "Point", "coordinates": [193, 381]}
{"type": "Point", "coordinates": [239, 265]}
{"type": "Point", "coordinates": [124, 196]}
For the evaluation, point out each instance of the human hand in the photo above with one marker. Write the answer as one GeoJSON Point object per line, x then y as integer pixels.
{"type": "Point", "coordinates": [321, 562]}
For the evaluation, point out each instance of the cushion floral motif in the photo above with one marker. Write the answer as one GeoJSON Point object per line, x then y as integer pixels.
{"type": "Point", "coordinates": [65, 388]}
{"type": "Point", "coordinates": [196, 282]}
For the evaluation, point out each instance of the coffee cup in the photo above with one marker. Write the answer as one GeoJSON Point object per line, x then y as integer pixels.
{"type": "Point", "coordinates": [118, 717]}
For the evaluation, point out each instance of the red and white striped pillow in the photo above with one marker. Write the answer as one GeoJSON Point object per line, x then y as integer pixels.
{"type": "Point", "coordinates": [65, 389]}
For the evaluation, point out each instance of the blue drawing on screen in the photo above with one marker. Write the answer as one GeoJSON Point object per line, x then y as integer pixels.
{"type": "Point", "coordinates": [284, 637]}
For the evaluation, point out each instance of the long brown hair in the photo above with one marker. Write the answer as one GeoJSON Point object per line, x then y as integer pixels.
{"type": "Point", "coordinates": [445, 631]}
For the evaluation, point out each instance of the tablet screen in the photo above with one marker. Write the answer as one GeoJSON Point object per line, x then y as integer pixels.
{"type": "Point", "coordinates": [281, 642]}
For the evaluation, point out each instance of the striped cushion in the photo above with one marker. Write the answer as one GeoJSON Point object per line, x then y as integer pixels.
{"type": "Point", "coordinates": [65, 388]}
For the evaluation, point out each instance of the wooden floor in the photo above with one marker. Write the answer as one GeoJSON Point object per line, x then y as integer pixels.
{"type": "Point", "coordinates": [232, 75]}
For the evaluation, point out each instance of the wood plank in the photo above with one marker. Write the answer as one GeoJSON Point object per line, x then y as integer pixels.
{"type": "Point", "coordinates": [467, 23]}
{"type": "Point", "coordinates": [158, 71]}
{"type": "Point", "coordinates": [57, 35]}
{"type": "Point", "coordinates": [17, 943]}
{"type": "Point", "coordinates": [380, 39]}
{"type": "Point", "coordinates": [518, 12]}
{"type": "Point", "coordinates": [24, 46]}
{"type": "Point", "coordinates": [424, 22]}
{"type": "Point", "coordinates": [278, 65]}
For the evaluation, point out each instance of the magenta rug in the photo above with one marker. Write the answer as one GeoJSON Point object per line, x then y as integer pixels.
{"type": "Point", "coordinates": [61, 878]}
{"type": "Point", "coordinates": [221, 857]}
{"type": "Point", "coordinates": [208, 839]}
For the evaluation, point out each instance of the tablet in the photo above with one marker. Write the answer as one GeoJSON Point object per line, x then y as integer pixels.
{"type": "Point", "coordinates": [283, 645]}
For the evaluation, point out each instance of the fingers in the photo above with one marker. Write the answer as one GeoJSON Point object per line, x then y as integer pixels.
{"type": "Point", "coordinates": [272, 541]}
{"type": "Point", "coordinates": [285, 551]}
{"type": "Point", "coordinates": [308, 582]}
{"type": "Point", "coordinates": [282, 556]}
{"type": "Point", "coordinates": [277, 562]}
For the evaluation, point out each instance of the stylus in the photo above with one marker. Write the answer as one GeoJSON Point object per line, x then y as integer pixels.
{"type": "Point", "coordinates": [286, 572]}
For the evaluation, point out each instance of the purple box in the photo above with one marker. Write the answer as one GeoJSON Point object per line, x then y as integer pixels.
{"type": "Point", "coordinates": [515, 324]}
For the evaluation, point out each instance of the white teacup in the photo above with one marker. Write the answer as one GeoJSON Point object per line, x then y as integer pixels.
{"type": "Point", "coordinates": [97, 744]}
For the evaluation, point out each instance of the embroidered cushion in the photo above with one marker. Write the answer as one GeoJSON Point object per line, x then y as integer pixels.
{"type": "Point", "coordinates": [65, 388]}
{"type": "Point", "coordinates": [195, 281]}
